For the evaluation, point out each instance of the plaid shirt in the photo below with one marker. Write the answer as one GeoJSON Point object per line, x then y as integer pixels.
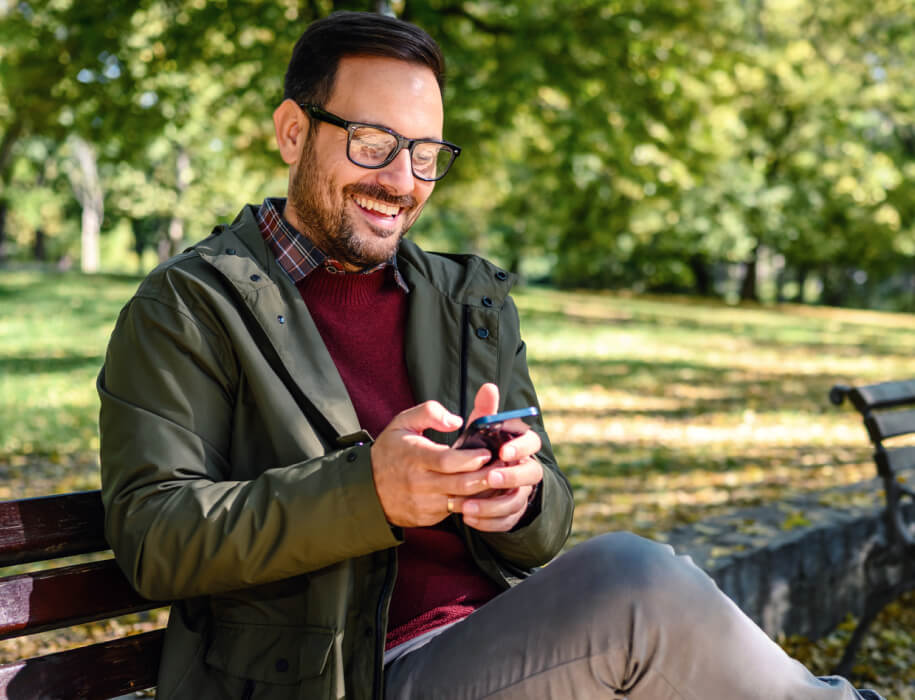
{"type": "Point", "coordinates": [297, 255]}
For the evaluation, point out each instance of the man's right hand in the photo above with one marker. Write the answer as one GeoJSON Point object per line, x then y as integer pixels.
{"type": "Point", "coordinates": [415, 477]}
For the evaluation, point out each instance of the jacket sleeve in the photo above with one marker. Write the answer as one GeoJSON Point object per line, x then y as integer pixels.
{"type": "Point", "coordinates": [542, 538]}
{"type": "Point", "coordinates": [178, 523]}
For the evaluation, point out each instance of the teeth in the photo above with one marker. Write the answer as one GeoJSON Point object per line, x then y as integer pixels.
{"type": "Point", "coordinates": [375, 205]}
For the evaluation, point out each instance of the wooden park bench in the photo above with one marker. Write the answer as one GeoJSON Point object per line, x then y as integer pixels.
{"type": "Point", "coordinates": [42, 529]}
{"type": "Point", "coordinates": [888, 410]}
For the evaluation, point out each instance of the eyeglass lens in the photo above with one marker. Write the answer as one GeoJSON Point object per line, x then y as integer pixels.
{"type": "Point", "coordinates": [371, 147]}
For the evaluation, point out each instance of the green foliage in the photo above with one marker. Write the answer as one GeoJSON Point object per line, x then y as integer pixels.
{"type": "Point", "coordinates": [655, 146]}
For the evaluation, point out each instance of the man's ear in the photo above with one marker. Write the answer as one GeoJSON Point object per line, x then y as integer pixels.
{"type": "Point", "coordinates": [291, 128]}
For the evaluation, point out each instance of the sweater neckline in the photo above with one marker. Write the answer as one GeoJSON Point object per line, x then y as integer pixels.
{"type": "Point", "coordinates": [347, 288]}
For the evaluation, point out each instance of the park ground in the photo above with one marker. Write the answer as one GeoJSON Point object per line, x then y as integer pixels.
{"type": "Point", "coordinates": [662, 411]}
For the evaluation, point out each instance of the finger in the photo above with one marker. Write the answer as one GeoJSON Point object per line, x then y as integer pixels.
{"type": "Point", "coordinates": [493, 524]}
{"type": "Point", "coordinates": [459, 461]}
{"type": "Point", "coordinates": [521, 447]}
{"type": "Point", "coordinates": [427, 415]}
{"type": "Point", "coordinates": [501, 504]}
{"type": "Point", "coordinates": [485, 402]}
{"type": "Point", "coordinates": [527, 472]}
{"type": "Point", "coordinates": [499, 477]}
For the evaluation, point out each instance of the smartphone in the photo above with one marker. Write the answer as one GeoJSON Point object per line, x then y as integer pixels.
{"type": "Point", "coordinates": [487, 431]}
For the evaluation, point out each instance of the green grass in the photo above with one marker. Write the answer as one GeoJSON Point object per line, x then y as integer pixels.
{"type": "Point", "coordinates": [662, 410]}
{"type": "Point", "coordinates": [53, 333]}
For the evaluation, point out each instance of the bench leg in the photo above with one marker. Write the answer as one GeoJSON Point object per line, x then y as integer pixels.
{"type": "Point", "coordinates": [876, 601]}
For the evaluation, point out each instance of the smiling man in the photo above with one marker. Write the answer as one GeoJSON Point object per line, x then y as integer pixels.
{"type": "Point", "coordinates": [242, 388]}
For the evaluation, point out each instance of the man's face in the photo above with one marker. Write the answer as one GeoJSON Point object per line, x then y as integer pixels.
{"type": "Point", "coordinates": [342, 207]}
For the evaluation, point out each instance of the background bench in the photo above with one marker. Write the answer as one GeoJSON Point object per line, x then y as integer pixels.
{"type": "Point", "coordinates": [41, 529]}
{"type": "Point", "coordinates": [888, 410]}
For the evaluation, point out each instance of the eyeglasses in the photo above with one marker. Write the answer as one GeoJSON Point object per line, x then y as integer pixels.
{"type": "Point", "coordinates": [373, 146]}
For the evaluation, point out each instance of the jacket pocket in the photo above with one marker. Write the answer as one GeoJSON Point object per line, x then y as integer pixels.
{"type": "Point", "coordinates": [275, 654]}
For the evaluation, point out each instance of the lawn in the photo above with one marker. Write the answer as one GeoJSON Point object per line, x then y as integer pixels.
{"type": "Point", "coordinates": [662, 410]}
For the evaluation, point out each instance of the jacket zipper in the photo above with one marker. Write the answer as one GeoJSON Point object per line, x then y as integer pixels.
{"type": "Point", "coordinates": [465, 341]}
{"type": "Point", "coordinates": [380, 632]}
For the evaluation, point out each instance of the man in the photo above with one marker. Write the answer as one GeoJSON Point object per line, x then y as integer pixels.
{"type": "Point", "coordinates": [241, 389]}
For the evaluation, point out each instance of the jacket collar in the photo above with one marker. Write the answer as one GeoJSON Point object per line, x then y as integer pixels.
{"type": "Point", "coordinates": [242, 257]}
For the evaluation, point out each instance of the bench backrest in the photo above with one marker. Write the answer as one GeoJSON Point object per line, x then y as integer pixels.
{"type": "Point", "coordinates": [40, 529]}
{"type": "Point", "coordinates": [888, 410]}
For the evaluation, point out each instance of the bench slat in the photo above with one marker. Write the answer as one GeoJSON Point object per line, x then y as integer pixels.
{"type": "Point", "coordinates": [883, 395]}
{"type": "Point", "coordinates": [882, 426]}
{"type": "Point", "coordinates": [897, 458]}
{"type": "Point", "coordinates": [71, 595]}
{"type": "Point", "coordinates": [36, 529]}
{"type": "Point", "coordinates": [94, 672]}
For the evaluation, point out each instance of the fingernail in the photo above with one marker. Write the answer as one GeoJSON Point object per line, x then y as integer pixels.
{"type": "Point", "coordinates": [508, 453]}
{"type": "Point", "coordinates": [470, 509]}
{"type": "Point", "coordinates": [495, 479]}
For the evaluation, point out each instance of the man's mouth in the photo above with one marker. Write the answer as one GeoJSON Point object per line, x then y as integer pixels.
{"type": "Point", "coordinates": [376, 207]}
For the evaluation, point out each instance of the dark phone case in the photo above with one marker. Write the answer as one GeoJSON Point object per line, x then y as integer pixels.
{"type": "Point", "coordinates": [490, 437]}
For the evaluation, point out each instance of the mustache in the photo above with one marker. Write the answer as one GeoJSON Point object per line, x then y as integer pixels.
{"type": "Point", "coordinates": [378, 192]}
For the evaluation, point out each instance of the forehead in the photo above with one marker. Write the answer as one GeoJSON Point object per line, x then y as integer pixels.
{"type": "Point", "coordinates": [399, 95]}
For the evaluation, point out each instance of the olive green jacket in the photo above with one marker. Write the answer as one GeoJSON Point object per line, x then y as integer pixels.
{"type": "Point", "coordinates": [222, 496]}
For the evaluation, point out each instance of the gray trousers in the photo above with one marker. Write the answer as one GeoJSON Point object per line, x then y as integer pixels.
{"type": "Point", "coordinates": [616, 617]}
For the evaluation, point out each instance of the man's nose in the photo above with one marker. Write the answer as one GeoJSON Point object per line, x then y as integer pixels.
{"type": "Point", "coordinates": [397, 176]}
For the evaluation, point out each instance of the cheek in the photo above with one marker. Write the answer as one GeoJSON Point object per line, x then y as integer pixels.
{"type": "Point", "coordinates": [423, 191]}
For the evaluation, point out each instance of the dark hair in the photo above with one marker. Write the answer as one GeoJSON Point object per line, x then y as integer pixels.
{"type": "Point", "coordinates": [317, 53]}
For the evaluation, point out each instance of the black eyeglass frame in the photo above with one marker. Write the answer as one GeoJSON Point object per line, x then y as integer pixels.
{"type": "Point", "coordinates": [316, 112]}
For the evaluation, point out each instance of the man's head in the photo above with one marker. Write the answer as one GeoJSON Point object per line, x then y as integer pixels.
{"type": "Point", "coordinates": [369, 69]}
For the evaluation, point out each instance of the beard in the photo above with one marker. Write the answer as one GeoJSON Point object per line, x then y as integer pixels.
{"type": "Point", "coordinates": [327, 223]}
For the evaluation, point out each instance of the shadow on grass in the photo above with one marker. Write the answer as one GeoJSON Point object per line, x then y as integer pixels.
{"type": "Point", "coordinates": [42, 365]}
{"type": "Point", "coordinates": [614, 460]}
{"type": "Point", "coordinates": [697, 388]}
{"type": "Point", "coordinates": [800, 332]}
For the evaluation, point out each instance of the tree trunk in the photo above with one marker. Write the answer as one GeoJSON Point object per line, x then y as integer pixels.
{"type": "Point", "coordinates": [802, 273]}
{"type": "Point", "coordinates": [175, 238]}
{"type": "Point", "coordinates": [3, 252]}
{"type": "Point", "coordinates": [90, 247]}
{"type": "Point", "coordinates": [748, 285]}
{"type": "Point", "coordinates": [87, 187]}
{"type": "Point", "coordinates": [39, 247]}
{"type": "Point", "coordinates": [701, 274]}
{"type": "Point", "coordinates": [383, 7]}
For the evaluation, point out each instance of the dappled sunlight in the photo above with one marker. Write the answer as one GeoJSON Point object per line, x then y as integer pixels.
{"type": "Point", "coordinates": [662, 413]}
{"type": "Point", "coordinates": [712, 430]}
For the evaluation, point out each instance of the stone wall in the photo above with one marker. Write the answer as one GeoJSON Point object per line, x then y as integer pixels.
{"type": "Point", "coordinates": [795, 567]}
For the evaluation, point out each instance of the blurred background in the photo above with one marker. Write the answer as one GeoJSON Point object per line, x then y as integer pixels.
{"type": "Point", "coordinates": [743, 149]}
{"type": "Point", "coordinates": [691, 190]}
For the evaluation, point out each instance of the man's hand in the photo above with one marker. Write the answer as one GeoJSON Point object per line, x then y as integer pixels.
{"type": "Point", "coordinates": [420, 482]}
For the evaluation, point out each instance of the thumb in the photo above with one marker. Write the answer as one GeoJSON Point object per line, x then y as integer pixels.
{"type": "Point", "coordinates": [486, 402]}
{"type": "Point", "coordinates": [425, 416]}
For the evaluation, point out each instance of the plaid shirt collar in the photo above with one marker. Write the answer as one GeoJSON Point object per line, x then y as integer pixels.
{"type": "Point", "coordinates": [297, 255]}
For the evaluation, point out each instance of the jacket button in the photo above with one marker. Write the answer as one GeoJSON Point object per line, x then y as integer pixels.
{"type": "Point", "coordinates": [230, 251]}
{"type": "Point", "coordinates": [351, 457]}
{"type": "Point", "coordinates": [282, 665]}
{"type": "Point", "coordinates": [501, 275]}
{"type": "Point", "coordinates": [486, 301]}
{"type": "Point", "coordinates": [255, 278]}
{"type": "Point", "coordinates": [482, 333]}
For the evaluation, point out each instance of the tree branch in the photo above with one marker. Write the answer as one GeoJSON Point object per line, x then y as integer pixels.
{"type": "Point", "coordinates": [478, 22]}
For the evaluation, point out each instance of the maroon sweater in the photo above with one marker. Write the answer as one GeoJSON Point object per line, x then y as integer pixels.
{"type": "Point", "coordinates": [362, 320]}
